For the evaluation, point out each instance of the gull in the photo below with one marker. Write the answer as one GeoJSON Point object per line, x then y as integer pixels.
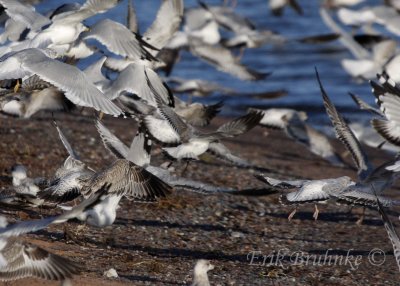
{"type": "Point", "coordinates": [166, 24]}
{"type": "Point", "coordinates": [366, 63]}
{"type": "Point", "coordinates": [293, 123]}
{"type": "Point", "coordinates": [273, 117]}
{"type": "Point", "coordinates": [23, 184]}
{"type": "Point", "coordinates": [119, 40]}
{"type": "Point", "coordinates": [200, 273]}
{"type": "Point", "coordinates": [33, 95]}
{"type": "Point", "coordinates": [197, 114]}
{"type": "Point", "coordinates": [126, 180]}
{"type": "Point", "coordinates": [371, 180]}
{"type": "Point", "coordinates": [131, 19]}
{"type": "Point", "coordinates": [66, 27]}
{"type": "Point", "coordinates": [383, 15]}
{"type": "Point", "coordinates": [339, 3]}
{"type": "Point", "coordinates": [68, 182]}
{"type": "Point", "coordinates": [203, 88]}
{"type": "Point", "coordinates": [25, 14]}
{"type": "Point", "coordinates": [69, 79]}
{"type": "Point", "coordinates": [199, 24]}
{"type": "Point", "coordinates": [277, 6]}
{"type": "Point", "coordinates": [223, 60]}
{"type": "Point", "coordinates": [366, 134]}
{"type": "Point", "coordinates": [365, 106]}
{"type": "Point", "coordinates": [94, 74]}
{"type": "Point", "coordinates": [387, 95]}
{"type": "Point", "coordinates": [391, 231]}
{"type": "Point", "coordinates": [69, 179]}
{"type": "Point", "coordinates": [309, 190]}
{"type": "Point", "coordinates": [198, 87]}
{"type": "Point", "coordinates": [171, 128]}
{"type": "Point", "coordinates": [246, 34]}
{"type": "Point", "coordinates": [12, 31]}
{"type": "Point", "coordinates": [133, 80]}
{"type": "Point", "coordinates": [139, 154]}
{"type": "Point", "coordinates": [20, 259]}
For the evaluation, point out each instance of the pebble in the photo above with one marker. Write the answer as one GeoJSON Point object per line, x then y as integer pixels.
{"type": "Point", "coordinates": [111, 273]}
{"type": "Point", "coordinates": [237, 234]}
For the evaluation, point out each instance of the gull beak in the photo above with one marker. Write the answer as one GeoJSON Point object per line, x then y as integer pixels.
{"type": "Point", "coordinates": [16, 87]}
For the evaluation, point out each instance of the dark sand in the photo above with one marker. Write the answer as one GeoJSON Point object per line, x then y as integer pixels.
{"type": "Point", "coordinates": [158, 244]}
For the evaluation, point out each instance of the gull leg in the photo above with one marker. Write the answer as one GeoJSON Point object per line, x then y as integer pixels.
{"type": "Point", "coordinates": [241, 53]}
{"type": "Point", "coordinates": [350, 209]}
{"type": "Point", "coordinates": [184, 170]}
{"type": "Point", "coordinates": [361, 219]}
{"type": "Point", "coordinates": [316, 212]}
{"type": "Point", "coordinates": [291, 215]}
{"type": "Point", "coordinates": [17, 86]}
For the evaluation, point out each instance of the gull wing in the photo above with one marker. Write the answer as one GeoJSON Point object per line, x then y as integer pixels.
{"type": "Point", "coordinates": [346, 135]}
{"type": "Point", "coordinates": [26, 259]}
{"type": "Point", "coordinates": [23, 13]}
{"type": "Point", "coordinates": [391, 231]}
{"type": "Point", "coordinates": [224, 61]}
{"type": "Point", "coordinates": [119, 40]}
{"type": "Point", "coordinates": [166, 24]}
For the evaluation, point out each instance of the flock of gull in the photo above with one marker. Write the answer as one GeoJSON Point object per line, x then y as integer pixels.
{"type": "Point", "coordinates": [38, 71]}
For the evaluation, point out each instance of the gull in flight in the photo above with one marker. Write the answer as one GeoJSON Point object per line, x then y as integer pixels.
{"type": "Point", "coordinates": [139, 153]}
{"type": "Point", "coordinates": [67, 78]}
{"type": "Point", "coordinates": [20, 259]}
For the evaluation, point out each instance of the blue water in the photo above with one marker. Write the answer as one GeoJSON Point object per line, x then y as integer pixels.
{"type": "Point", "coordinates": [292, 64]}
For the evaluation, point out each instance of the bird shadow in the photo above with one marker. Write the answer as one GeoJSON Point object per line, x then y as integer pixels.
{"type": "Point", "coordinates": [159, 224]}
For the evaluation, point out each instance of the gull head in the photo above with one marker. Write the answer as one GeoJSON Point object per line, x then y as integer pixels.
{"type": "Point", "coordinates": [202, 267]}
{"type": "Point", "coordinates": [12, 105]}
{"type": "Point", "coordinates": [3, 222]}
{"type": "Point", "coordinates": [18, 173]}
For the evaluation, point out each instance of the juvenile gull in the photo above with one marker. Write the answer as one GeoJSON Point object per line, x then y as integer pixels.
{"type": "Point", "coordinates": [19, 259]}
{"type": "Point", "coordinates": [125, 179]}
{"type": "Point", "coordinates": [69, 179]}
